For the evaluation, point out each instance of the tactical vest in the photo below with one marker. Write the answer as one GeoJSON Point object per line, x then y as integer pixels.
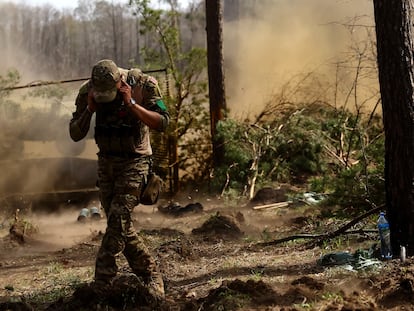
{"type": "Point", "coordinates": [116, 131]}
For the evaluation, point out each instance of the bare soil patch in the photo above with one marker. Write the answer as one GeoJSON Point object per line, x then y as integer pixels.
{"type": "Point", "coordinates": [210, 259]}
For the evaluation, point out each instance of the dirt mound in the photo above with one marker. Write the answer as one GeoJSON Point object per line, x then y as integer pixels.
{"type": "Point", "coordinates": [127, 292]}
{"type": "Point", "coordinates": [19, 232]}
{"type": "Point", "coordinates": [221, 265]}
{"type": "Point", "coordinates": [12, 240]}
{"type": "Point", "coordinates": [219, 227]}
{"type": "Point", "coordinates": [233, 294]}
{"type": "Point", "coordinates": [180, 248]}
{"type": "Point", "coordinates": [396, 284]}
{"type": "Point", "coordinates": [16, 306]}
{"type": "Point", "coordinates": [269, 195]}
{"type": "Point", "coordinates": [309, 282]}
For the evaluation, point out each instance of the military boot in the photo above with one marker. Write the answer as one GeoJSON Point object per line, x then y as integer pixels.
{"type": "Point", "coordinates": [100, 287]}
{"type": "Point", "coordinates": [155, 285]}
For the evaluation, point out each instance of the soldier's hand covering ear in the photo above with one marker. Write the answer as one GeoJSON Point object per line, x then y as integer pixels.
{"type": "Point", "coordinates": [125, 90]}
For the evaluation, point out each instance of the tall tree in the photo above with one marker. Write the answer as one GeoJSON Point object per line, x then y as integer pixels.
{"type": "Point", "coordinates": [394, 31]}
{"type": "Point", "coordinates": [215, 74]}
{"type": "Point", "coordinates": [186, 67]}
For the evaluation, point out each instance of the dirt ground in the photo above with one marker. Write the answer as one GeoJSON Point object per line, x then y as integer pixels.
{"type": "Point", "coordinates": [212, 256]}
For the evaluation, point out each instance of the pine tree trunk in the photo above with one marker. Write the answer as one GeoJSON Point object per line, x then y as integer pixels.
{"type": "Point", "coordinates": [215, 73]}
{"type": "Point", "coordinates": [395, 65]}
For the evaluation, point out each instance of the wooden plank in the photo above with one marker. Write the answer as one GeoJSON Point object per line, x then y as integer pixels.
{"type": "Point", "coordinates": [271, 206]}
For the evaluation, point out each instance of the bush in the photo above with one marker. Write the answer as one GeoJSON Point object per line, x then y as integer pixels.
{"type": "Point", "coordinates": [333, 152]}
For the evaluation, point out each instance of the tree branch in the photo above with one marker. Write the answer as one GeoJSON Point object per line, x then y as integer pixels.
{"type": "Point", "coordinates": [326, 236]}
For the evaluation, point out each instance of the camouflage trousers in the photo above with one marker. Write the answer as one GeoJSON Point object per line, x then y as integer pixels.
{"type": "Point", "coordinates": [120, 182]}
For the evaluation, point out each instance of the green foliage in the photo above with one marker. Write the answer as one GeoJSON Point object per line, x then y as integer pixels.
{"type": "Point", "coordinates": [357, 181]}
{"type": "Point", "coordinates": [290, 146]}
{"type": "Point", "coordinates": [10, 111]}
{"type": "Point", "coordinates": [188, 105]}
{"type": "Point", "coordinates": [238, 153]}
{"type": "Point", "coordinates": [299, 145]}
{"type": "Point", "coordinates": [49, 91]}
{"type": "Point", "coordinates": [338, 153]}
{"type": "Point", "coordinates": [11, 79]}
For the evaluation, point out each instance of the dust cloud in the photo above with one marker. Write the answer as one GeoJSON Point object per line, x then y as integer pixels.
{"type": "Point", "coordinates": [286, 38]}
{"type": "Point", "coordinates": [62, 230]}
{"type": "Point", "coordinates": [283, 39]}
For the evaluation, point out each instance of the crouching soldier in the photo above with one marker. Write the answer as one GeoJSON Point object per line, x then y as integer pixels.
{"type": "Point", "coordinates": [127, 104]}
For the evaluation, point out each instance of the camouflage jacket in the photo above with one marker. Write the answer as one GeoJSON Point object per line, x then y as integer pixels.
{"type": "Point", "coordinates": [116, 131]}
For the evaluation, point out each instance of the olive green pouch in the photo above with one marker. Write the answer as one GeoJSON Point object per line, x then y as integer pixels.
{"type": "Point", "coordinates": [151, 190]}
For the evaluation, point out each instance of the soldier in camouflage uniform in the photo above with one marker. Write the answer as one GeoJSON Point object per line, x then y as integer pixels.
{"type": "Point", "coordinates": [127, 103]}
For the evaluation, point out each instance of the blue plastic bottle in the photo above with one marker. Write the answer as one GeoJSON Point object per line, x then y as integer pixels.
{"type": "Point", "coordinates": [384, 233]}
